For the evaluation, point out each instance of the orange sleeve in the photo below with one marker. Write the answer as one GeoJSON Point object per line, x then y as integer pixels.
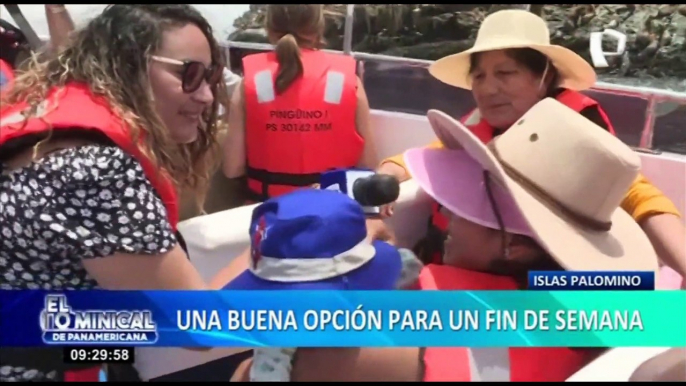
{"type": "Point", "coordinates": [398, 159]}
{"type": "Point", "coordinates": [644, 200]}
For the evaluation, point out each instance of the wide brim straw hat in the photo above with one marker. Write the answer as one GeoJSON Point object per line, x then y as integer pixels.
{"type": "Point", "coordinates": [556, 176]}
{"type": "Point", "coordinates": [516, 29]}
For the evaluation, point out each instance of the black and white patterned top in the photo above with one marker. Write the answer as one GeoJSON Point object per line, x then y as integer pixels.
{"type": "Point", "coordinates": [79, 203]}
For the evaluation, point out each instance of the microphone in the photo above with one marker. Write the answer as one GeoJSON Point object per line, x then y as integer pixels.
{"type": "Point", "coordinates": [376, 190]}
{"type": "Point", "coordinates": [369, 189]}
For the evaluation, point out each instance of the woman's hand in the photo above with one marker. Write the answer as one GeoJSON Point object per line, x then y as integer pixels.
{"type": "Point", "coordinates": [387, 210]}
{"type": "Point", "coordinates": [378, 230]}
{"type": "Point", "coordinates": [400, 174]}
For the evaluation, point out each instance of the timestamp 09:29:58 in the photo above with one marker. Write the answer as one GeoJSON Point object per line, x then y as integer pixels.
{"type": "Point", "coordinates": [96, 355]}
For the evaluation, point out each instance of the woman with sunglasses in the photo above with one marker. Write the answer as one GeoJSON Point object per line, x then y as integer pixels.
{"type": "Point", "coordinates": [95, 141]}
{"type": "Point", "coordinates": [299, 112]}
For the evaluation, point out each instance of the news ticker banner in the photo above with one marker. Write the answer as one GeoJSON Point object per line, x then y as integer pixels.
{"type": "Point", "coordinates": [344, 318]}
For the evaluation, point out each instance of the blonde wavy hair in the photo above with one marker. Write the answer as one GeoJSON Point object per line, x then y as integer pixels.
{"type": "Point", "coordinates": [111, 54]}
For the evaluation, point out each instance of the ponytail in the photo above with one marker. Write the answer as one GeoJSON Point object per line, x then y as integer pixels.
{"type": "Point", "coordinates": [290, 65]}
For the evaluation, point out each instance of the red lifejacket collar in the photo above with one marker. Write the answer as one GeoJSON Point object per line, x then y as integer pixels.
{"type": "Point", "coordinates": [75, 106]}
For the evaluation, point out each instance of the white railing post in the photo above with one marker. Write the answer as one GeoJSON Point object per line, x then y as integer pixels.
{"type": "Point", "coordinates": [348, 30]}
{"type": "Point", "coordinates": [646, 141]}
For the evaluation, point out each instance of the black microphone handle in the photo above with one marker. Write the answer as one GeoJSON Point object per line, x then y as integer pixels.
{"type": "Point", "coordinates": [376, 190]}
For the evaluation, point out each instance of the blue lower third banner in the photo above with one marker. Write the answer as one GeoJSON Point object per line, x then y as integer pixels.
{"type": "Point", "coordinates": [344, 318]}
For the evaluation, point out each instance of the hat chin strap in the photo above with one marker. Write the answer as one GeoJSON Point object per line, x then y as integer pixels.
{"type": "Point", "coordinates": [541, 84]}
{"type": "Point", "coordinates": [313, 269]}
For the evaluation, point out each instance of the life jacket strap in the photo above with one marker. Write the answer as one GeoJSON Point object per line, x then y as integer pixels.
{"type": "Point", "coordinates": [267, 178]}
{"type": "Point", "coordinates": [430, 248]}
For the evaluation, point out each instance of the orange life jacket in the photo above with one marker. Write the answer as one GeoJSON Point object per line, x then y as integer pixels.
{"type": "Point", "coordinates": [6, 74]}
{"type": "Point", "coordinates": [438, 223]}
{"type": "Point", "coordinates": [74, 106]}
{"type": "Point", "coordinates": [517, 364]}
{"type": "Point", "coordinates": [91, 374]}
{"type": "Point", "coordinates": [293, 137]}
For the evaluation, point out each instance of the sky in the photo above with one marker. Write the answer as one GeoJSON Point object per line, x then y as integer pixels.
{"type": "Point", "coordinates": [220, 16]}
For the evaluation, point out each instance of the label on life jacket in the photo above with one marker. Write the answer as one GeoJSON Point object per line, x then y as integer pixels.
{"type": "Point", "coordinates": [310, 127]}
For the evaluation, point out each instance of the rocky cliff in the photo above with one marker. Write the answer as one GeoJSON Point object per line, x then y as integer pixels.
{"type": "Point", "coordinates": [656, 33]}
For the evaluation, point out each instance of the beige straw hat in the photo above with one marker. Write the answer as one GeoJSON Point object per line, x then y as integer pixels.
{"type": "Point", "coordinates": [559, 175]}
{"type": "Point", "coordinates": [516, 29]}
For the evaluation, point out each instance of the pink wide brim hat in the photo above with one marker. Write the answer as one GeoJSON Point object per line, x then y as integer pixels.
{"type": "Point", "coordinates": [463, 191]}
{"type": "Point", "coordinates": [669, 279]}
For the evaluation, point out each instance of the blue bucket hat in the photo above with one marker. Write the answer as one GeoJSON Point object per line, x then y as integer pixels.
{"type": "Point", "coordinates": [315, 239]}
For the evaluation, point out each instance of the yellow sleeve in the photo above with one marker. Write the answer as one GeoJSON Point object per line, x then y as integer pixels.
{"type": "Point", "coordinates": [645, 200]}
{"type": "Point", "coordinates": [398, 159]}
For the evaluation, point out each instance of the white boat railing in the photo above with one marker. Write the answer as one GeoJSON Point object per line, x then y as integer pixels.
{"type": "Point", "coordinates": [660, 95]}
{"type": "Point", "coordinates": [610, 88]}
{"type": "Point", "coordinates": [653, 96]}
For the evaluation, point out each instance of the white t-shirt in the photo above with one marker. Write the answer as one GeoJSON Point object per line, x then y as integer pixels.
{"type": "Point", "coordinates": [231, 80]}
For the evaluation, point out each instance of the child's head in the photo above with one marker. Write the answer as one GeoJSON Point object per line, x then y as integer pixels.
{"type": "Point", "coordinates": [317, 239]}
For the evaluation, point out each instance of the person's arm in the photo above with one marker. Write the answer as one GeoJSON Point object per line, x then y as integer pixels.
{"type": "Point", "coordinates": [231, 271]}
{"type": "Point", "coordinates": [234, 161]}
{"type": "Point", "coordinates": [231, 80]}
{"type": "Point", "coordinates": [660, 220]}
{"type": "Point", "coordinates": [363, 123]}
{"type": "Point", "coordinates": [60, 24]}
{"type": "Point", "coordinates": [653, 211]}
{"type": "Point", "coordinates": [124, 239]}
{"type": "Point", "coordinates": [402, 364]}
{"type": "Point", "coordinates": [395, 165]}
{"type": "Point", "coordinates": [137, 271]}
{"type": "Point", "coordinates": [670, 366]}
{"type": "Point", "coordinates": [113, 219]}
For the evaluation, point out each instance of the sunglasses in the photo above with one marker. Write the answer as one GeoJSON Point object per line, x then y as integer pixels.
{"type": "Point", "coordinates": [193, 73]}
